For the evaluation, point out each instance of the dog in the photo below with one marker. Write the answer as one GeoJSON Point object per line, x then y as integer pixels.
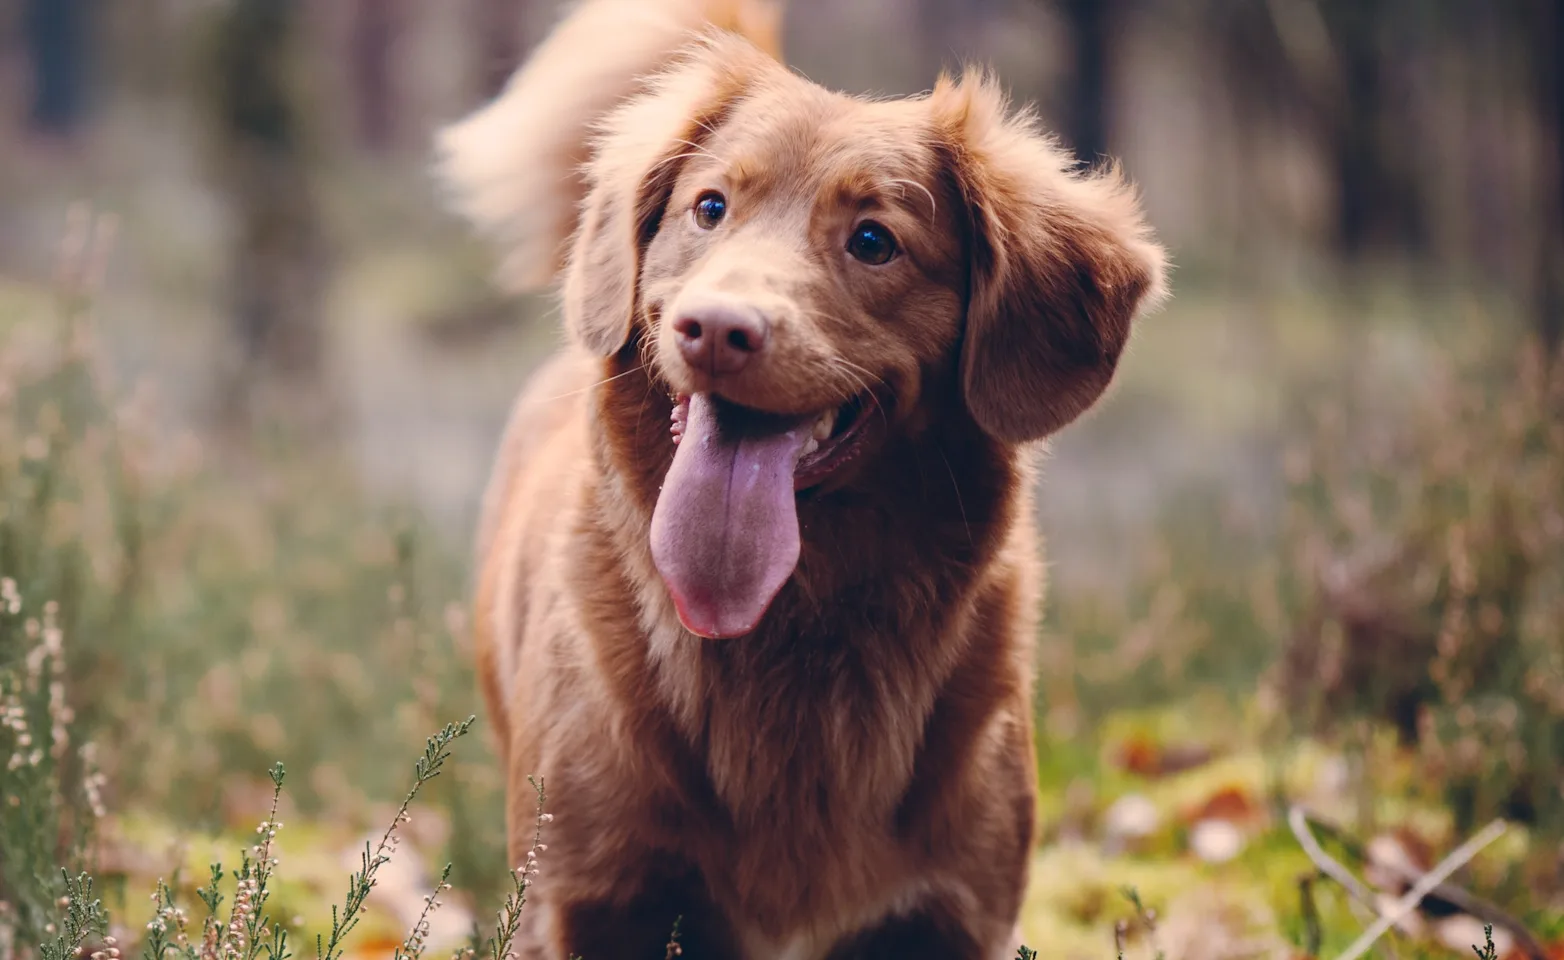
{"type": "Point", "coordinates": [758, 581]}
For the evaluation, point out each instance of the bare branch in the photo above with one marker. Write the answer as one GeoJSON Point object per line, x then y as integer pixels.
{"type": "Point", "coordinates": [1457, 859]}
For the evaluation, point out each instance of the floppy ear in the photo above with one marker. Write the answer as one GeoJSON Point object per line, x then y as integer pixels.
{"type": "Point", "coordinates": [1061, 262]}
{"type": "Point", "coordinates": [638, 159]}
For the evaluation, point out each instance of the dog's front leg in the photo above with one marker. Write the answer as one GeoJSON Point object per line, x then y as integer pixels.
{"type": "Point", "coordinates": [640, 926]}
{"type": "Point", "coordinates": [932, 931]}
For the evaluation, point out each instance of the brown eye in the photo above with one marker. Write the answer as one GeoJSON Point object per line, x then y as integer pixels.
{"type": "Point", "coordinates": [710, 208]}
{"type": "Point", "coordinates": [871, 243]}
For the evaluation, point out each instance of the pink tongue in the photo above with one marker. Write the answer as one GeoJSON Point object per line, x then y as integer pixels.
{"type": "Point", "coordinates": [725, 529]}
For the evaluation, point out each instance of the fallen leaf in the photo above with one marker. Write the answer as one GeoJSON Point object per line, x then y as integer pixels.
{"type": "Point", "coordinates": [1553, 951]}
{"type": "Point", "coordinates": [1141, 755]}
{"type": "Point", "coordinates": [1231, 803]}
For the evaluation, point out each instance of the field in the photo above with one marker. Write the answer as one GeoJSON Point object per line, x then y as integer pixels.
{"type": "Point", "coordinates": [1306, 558]}
{"type": "Point", "coordinates": [221, 615]}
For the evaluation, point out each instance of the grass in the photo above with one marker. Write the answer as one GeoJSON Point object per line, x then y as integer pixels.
{"type": "Point", "coordinates": [216, 611]}
{"type": "Point", "coordinates": [210, 611]}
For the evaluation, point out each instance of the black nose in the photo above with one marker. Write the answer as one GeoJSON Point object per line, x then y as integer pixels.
{"type": "Point", "coordinates": [720, 339]}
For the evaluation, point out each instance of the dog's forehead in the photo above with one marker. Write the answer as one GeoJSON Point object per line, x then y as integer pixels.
{"type": "Point", "coordinates": [825, 138]}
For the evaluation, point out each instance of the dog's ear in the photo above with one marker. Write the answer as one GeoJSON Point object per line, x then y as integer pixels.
{"type": "Point", "coordinates": [637, 161]}
{"type": "Point", "coordinates": [513, 167]}
{"type": "Point", "coordinates": [1061, 262]}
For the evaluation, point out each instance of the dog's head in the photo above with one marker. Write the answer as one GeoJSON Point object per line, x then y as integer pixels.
{"type": "Point", "coordinates": [795, 264]}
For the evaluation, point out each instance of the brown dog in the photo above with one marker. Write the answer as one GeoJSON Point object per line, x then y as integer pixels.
{"type": "Point", "coordinates": [775, 662]}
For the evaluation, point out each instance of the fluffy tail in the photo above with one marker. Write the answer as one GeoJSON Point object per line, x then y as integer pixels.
{"type": "Point", "coordinates": [513, 167]}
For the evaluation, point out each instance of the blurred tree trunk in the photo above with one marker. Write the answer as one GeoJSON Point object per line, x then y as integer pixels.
{"type": "Point", "coordinates": [278, 271]}
{"type": "Point", "coordinates": [1260, 90]}
{"type": "Point", "coordinates": [1548, 40]}
{"type": "Point", "coordinates": [936, 29]}
{"type": "Point", "coordinates": [376, 105]}
{"type": "Point", "coordinates": [1376, 197]}
{"type": "Point", "coordinates": [1089, 24]}
{"type": "Point", "coordinates": [950, 32]}
{"type": "Point", "coordinates": [1356, 128]}
{"type": "Point", "coordinates": [498, 40]}
{"type": "Point", "coordinates": [55, 33]}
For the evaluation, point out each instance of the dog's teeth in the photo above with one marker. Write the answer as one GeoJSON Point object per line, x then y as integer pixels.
{"type": "Point", "coordinates": [811, 446]}
{"type": "Point", "coordinates": [825, 425]}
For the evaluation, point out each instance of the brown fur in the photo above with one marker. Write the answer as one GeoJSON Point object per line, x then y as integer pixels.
{"type": "Point", "coordinates": [856, 777]}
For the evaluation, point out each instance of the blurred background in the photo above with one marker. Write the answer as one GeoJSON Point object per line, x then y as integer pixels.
{"type": "Point", "coordinates": [1311, 546]}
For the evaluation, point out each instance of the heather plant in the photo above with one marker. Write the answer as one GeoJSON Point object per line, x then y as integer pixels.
{"type": "Point", "coordinates": [198, 609]}
{"type": "Point", "coordinates": [82, 916]}
{"type": "Point", "coordinates": [52, 790]}
{"type": "Point", "coordinates": [1429, 565]}
{"type": "Point", "coordinates": [249, 931]}
{"type": "Point", "coordinates": [53, 586]}
{"type": "Point", "coordinates": [179, 619]}
{"type": "Point", "coordinates": [428, 766]}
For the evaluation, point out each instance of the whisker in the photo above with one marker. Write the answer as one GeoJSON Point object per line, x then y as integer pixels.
{"type": "Point", "coordinates": [593, 386]}
{"type": "Point", "coordinates": [933, 207]}
{"type": "Point", "coordinates": [855, 383]}
{"type": "Point", "coordinates": [863, 370]}
{"type": "Point", "coordinates": [640, 413]}
{"type": "Point", "coordinates": [852, 370]}
{"type": "Point", "coordinates": [702, 151]}
{"type": "Point", "coordinates": [960, 504]}
{"type": "Point", "coordinates": [678, 156]}
{"type": "Point", "coordinates": [644, 347]}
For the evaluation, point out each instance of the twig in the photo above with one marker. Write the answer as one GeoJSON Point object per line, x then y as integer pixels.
{"type": "Point", "coordinates": [674, 949]}
{"type": "Point", "coordinates": [1489, 913]}
{"type": "Point", "coordinates": [83, 915]}
{"type": "Point", "coordinates": [1457, 859]}
{"type": "Point", "coordinates": [1299, 822]}
{"type": "Point", "coordinates": [1361, 896]}
{"type": "Point", "coordinates": [1487, 951]}
{"type": "Point", "coordinates": [241, 939]}
{"type": "Point", "coordinates": [436, 752]}
{"type": "Point", "coordinates": [1147, 917]}
{"type": "Point", "coordinates": [1313, 936]}
{"type": "Point", "coordinates": [413, 947]}
{"type": "Point", "coordinates": [1456, 896]}
{"type": "Point", "coordinates": [509, 920]}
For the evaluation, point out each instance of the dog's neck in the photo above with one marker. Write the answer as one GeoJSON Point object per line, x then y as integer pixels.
{"type": "Point", "coordinates": [866, 634]}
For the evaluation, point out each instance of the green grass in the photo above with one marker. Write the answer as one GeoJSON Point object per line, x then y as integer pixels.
{"type": "Point", "coordinates": [223, 609]}
{"type": "Point", "coordinates": [222, 614]}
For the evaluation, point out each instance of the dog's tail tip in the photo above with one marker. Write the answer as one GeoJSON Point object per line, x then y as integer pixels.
{"type": "Point", "coordinates": [758, 21]}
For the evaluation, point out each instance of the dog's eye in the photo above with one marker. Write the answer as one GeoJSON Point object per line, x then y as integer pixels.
{"type": "Point", "coordinates": [710, 208]}
{"type": "Point", "coordinates": [871, 243]}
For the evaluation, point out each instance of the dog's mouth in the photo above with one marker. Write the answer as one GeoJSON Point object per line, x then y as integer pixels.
{"type": "Point", "coordinates": [835, 436]}
{"type": "Point", "coordinates": [724, 532]}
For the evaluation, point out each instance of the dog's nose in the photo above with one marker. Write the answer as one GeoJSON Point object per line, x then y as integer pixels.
{"type": "Point", "coordinates": [720, 339]}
